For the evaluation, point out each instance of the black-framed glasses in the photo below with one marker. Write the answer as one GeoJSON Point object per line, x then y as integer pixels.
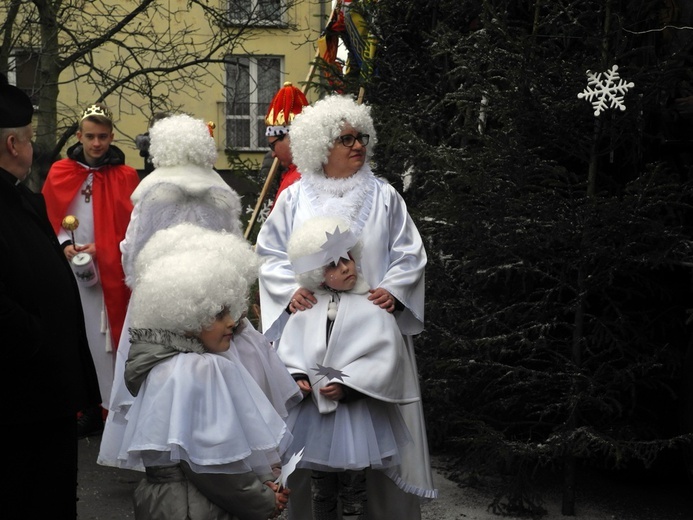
{"type": "Point", "coordinates": [349, 140]}
{"type": "Point", "coordinates": [278, 139]}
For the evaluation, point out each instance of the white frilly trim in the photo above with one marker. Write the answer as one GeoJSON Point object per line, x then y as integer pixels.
{"type": "Point", "coordinates": [427, 494]}
{"type": "Point", "coordinates": [350, 199]}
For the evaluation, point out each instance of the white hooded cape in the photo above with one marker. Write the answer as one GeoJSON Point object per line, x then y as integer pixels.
{"type": "Point", "coordinates": [365, 346]}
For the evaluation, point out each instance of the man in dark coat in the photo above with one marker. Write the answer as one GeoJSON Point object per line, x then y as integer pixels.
{"type": "Point", "coordinates": [47, 373]}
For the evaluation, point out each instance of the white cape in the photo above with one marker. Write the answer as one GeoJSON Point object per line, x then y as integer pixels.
{"type": "Point", "coordinates": [365, 349]}
{"type": "Point", "coordinates": [207, 410]}
{"type": "Point", "coordinates": [254, 353]}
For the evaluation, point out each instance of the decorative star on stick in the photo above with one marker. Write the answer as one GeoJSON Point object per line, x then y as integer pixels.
{"type": "Point", "coordinates": [329, 372]}
{"type": "Point", "coordinates": [288, 468]}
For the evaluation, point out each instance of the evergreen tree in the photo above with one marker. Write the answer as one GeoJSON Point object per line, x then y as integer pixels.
{"type": "Point", "coordinates": [559, 241]}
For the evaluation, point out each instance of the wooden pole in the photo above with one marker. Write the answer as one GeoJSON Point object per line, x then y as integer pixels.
{"type": "Point", "coordinates": [261, 198]}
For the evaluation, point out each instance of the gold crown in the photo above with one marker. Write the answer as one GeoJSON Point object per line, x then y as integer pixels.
{"type": "Point", "coordinates": [96, 110]}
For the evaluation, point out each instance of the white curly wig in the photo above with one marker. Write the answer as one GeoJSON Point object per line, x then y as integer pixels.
{"type": "Point", "coordinates": [188, 275]}
{"type": "Point", "coordinates": [315, 130]}
{"type": "Point", "coordinates": [307, 239]}
{"type": "Point", "coordinates": [184, 237]}
{"type": "Point", "coordinates": [181, 139]}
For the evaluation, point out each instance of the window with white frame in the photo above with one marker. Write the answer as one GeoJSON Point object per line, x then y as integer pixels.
{"type": "Point", "coordinates": [257, 12]}
{"type": "Point", "coordinates": [251, 83]}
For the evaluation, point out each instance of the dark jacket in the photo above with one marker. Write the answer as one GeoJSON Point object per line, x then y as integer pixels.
{"type": "Point", "coordinates": [46, 371]}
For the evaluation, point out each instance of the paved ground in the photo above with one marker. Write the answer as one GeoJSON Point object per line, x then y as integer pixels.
{"type": "Point", "coordinates": [106, 494]}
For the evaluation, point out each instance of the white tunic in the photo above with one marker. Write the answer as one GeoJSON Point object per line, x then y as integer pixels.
{"type": "Point", "coordinates": [364, 345]}
{"type": "Point", "coordinates": [93, 304]}
{"type": "Point", "coordinates": [393, 254]}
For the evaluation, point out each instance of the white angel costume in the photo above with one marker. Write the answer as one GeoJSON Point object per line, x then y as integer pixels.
{"type": "Point", "coordinates": [196, 420]}
{"type": "Point", "coordinates": [365, 352]}
{"type": "Point", "coordinates": [204, 414]}
{"type": "Point", "coordinates": [185, 189]}
{"type": "Point", "coordinates": [393, 257]}
{"type": "Point", "coordinates": [203, 408]}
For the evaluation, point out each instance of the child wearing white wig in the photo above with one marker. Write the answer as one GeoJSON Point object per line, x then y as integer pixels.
{"type": "Point", "coordinates": [184, 187]}
{"type": "Point", "coordinates": [184, 190]}
{"type": "Point", "coordinates": [350, 357]}
{"type": "Point", "coordinates": [199, 425]}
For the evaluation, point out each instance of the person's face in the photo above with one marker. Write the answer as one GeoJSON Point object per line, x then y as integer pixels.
{"type": "Point", "coordinates": [341, 277]}
{"type": "Point", "coordinates": [345, 161]}
{"type": "Point", "coordinates": [217, 336]}
{"type": "Point", "coordinates": [25, 151]}
{"type": "Point", "coordinates": [281, 149]}
{"type": "Point", "coordinates": [95, 138]}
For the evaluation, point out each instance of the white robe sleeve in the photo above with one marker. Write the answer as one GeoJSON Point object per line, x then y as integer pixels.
{"type": "Point", "coordinates": [277, 281]}
{"type": "Point", "coordinates": [394, 257]}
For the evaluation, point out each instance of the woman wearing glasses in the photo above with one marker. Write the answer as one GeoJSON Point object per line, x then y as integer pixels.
{"type": "Point", "coordinates": [332, 143]}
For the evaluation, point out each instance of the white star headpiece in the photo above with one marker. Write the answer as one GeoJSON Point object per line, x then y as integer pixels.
{"type": "Point", "coordinates": [337, 245]}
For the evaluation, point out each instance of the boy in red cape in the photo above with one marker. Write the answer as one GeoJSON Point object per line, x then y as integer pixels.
{"type": "Point", "coordinates": [94, 185]}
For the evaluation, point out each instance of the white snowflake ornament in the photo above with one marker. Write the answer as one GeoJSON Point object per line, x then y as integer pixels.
{"type": "Point", "coordinates": [608, 92]}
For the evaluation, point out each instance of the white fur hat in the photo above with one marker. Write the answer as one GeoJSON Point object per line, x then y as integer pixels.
{"type": "Point", "coordinates": [187, 275]}
{"type": "Point", "coordinates": [181, 139]}
{"type": "Point", "coordinates": [309, 239]}
{"type": "Point", "coordinates": [315, 130]}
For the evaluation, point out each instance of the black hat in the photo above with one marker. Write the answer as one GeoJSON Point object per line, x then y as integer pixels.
{"type": "Point", "coordinates": [16, 108]}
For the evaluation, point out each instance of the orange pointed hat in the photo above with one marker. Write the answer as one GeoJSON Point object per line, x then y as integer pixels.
{"type": "Point", "coordinates": [286, 105]}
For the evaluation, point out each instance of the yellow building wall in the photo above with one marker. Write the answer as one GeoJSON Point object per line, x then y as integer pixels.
{"type": "Point", "coordinates": [297, 47]}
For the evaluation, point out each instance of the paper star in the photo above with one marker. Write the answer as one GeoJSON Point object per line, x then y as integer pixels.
{"type": "Point", "coordinates": [329, 372]}
{"type": "Point", "coordinates": [338, 244]}
{"type": "Point", "coordinates": [288, 468]}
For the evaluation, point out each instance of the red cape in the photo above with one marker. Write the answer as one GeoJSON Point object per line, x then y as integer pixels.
{"type": "Point", "coordinates": [111, 192]}
{"type": "Point", "coordinates": [290, 176]}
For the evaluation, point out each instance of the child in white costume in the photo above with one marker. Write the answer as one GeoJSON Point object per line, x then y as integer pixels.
{"type": "Point", "coordinates": [200, 425]}
{"type": "Point", "coordinates": [351, 357]}
{"type": "Point", "coordinates": [184, 188]}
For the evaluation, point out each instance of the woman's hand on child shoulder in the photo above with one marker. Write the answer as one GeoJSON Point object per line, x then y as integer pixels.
{"type": "Point", "coordinates": [382, 298]}
{"type": "Point", "coordinates": [301, 300]}
{"type": "Point", "coordinates": [281, 497]}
